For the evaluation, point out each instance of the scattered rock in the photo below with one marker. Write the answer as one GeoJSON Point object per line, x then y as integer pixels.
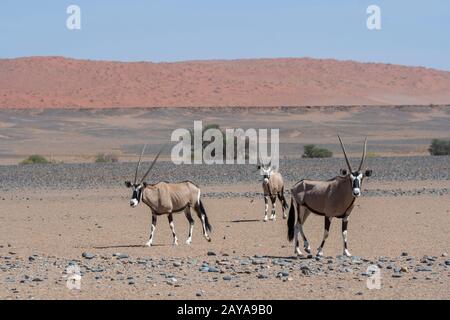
{"type": "Point", "coordinates": [88, 255]}
{"type": "Point", "coordinates": [121, 255]}
{"type": "Point", "coordinates": [211, 253]}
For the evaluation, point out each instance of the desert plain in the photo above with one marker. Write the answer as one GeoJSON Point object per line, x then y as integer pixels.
{"type": "Point", "coordinates": [76, 212]}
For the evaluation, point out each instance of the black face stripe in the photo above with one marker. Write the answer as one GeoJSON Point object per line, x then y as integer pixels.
{"type": "Point", "coordinates": [137, 193]}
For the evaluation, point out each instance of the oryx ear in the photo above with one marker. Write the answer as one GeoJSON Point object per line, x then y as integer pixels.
{"type": "Point", "coordinates": [344, 172]}
{"type": "Point", "coordinates": [128, 184]}
{"type": "Point", "coordinates": [368, 173]}
{"type": "Point", "coordinates": [145, 184]}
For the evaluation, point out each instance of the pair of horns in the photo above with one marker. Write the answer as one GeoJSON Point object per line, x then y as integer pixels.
{"type": "Point", "coordinates": [149, 169]}
{"type": "Point", "coordinates": [363, 155]}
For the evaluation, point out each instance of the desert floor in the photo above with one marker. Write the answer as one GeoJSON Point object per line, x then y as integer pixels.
{"type": "Point", "coordinates": [42, 233]}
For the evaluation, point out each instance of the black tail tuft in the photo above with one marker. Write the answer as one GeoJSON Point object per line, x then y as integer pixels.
{"type": "Point", "coordinates": [291, 221]}
{"type": "Point", "coordinates": [203, 212]}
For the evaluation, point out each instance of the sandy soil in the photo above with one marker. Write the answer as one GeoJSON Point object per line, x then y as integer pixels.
{"type": "Point", "coordinates": [58, 226]}
{"type": "Point", "coordinates": [55, 82]}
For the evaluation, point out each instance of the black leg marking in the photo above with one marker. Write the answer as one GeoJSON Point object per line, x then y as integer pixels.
{"type": "Point", "coordinates": [325, 235]}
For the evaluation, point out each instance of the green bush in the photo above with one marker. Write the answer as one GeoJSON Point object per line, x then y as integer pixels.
{"type": "Point", "coordinates": [439, 147]}
{"type": "Point", "coordinates": [106, 158]}
{"type": "Point", "coordinates": [311, 151]}
{"type": "Point", "coordinates": [35, 159]}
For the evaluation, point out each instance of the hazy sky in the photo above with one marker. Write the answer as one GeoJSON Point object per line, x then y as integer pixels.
{"type": "Point", "coordinates": [414, 32]}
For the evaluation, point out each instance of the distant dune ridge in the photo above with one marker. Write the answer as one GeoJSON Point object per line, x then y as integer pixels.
{"type": "Point", "coordinates": [56, 82]}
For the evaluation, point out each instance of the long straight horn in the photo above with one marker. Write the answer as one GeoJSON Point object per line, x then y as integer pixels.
{"type": "Point", "coordinates": [363, 155]}
{"type": "Point", "coordinates": [151, 166]}
{"type": "Point", "coordinates": [139, 163]}
{"type": "Point", "coordinates": [345, 154]}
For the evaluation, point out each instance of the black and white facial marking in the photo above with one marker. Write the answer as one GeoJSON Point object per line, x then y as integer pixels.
{"type": "Point", "coordinates": [137, 192]}
{"type": "Point", "coordinates": [265, 172]}
{"type": "Point", "coordinates": [356, 179]}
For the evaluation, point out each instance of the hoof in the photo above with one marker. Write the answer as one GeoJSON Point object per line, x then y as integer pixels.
{"type": "Point", "coordinates": [347, 253]}
{"type": "Point", "coordinates": [148, 244]}
{"type": "Point", "coordinates": [188, 242]}
{"type": "Point", "coordinates": [284, 216]}
{"type": "Point", "coordinates": [319, 254]}
{"type": "Point", "coordinates": [298, 253]}
{"type": "Point", "coordinates": [265, 219]}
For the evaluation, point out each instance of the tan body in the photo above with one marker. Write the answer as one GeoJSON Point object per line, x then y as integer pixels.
{"type": "Point", "coordinates": [332, 198]}
{"type": "Point", "coordinates": [164, 197]}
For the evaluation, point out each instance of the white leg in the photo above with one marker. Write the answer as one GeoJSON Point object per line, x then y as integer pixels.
{"type": "Point", "coordinates": [296, 242]}
{"type": "Point", "coordinates": [205, 232]}
{"type": "Point", "coordinates": [172, 227]}
{"type": "Point", "coordinates": [344, 236]}
{"type": "Point", "coordinates": [266, 207]}
{"type": "Point", "coordinates": [191, 228]}
{"type": "Point", "coordinates": [152, 231]}
{"type": "Point", "coordinates": [273, 215]}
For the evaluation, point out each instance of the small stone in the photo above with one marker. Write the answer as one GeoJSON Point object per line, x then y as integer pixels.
{"type": "Point", "coordinates": [88, 255]}
{"type": "Point", "coordinates": [227, 278]}
{"type": "Point", "coordinates": [120, 255]}
{"type": "Point", "coordinates": [359, 293]}
{"type": "Point", "coordinates": [213, 269]}
{"type": "Point", "coordinates": [404, 254]}
{"type": "Point", "coordinates": [447, 262]}
{"type": "Point", "coordinates": [177, 264]}
{"type": "Point", "coordinates": [445, 254]}
{"type": "Point", "coordinates": [199, 294]}
{"type": "Point", "coordinates": [211, 253]}
{"type": "Point", "coordinates": [397, 275]}
{"type": "Point", "coordinates": [263, 276]}
{"type": "Point", "coordinates": [404, 269]}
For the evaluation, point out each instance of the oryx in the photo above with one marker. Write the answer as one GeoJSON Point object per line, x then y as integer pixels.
{"type": "Point", "coordinates": [168, 198]}
{"type": "Point", "coordinates": [273, 187]}
{"type": "Point", "coordinates": [334, 198]}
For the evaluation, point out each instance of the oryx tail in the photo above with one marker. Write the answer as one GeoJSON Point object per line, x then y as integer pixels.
{"type": "Point", "coordinates": [291, 220]}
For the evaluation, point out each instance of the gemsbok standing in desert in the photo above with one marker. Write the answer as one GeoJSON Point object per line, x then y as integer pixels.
{"type": "Point", "coordinates": [334, 198]}
{"type": "Point", "coordinates": [165, 198]}
{"type": "Point", "coordinates": [273, 187]}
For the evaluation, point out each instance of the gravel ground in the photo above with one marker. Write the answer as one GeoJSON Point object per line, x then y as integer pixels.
{"type": "Point", "coordinates": [85, 176]}
{"type": "Point", "coordinates": [187, 276]}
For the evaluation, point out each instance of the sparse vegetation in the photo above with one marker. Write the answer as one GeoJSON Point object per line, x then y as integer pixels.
{"type": "Point", "coordinates": [311, 151]}
{"type": "Point", "coordinates": [106, 158]}
{"type": "Point", "coordinates": [372, 155]}
{"type": "Point", "coordinates": [35, 159]}
{"type": "Point", "coordinates": [439, 147]}
{"type": "Point", "coordinates": [224, 151]}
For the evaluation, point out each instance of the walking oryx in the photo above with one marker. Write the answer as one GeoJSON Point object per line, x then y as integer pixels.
{"type": "Point", "coordinates": [169, 198]}
{"type": "Point", "coordinates": [273, 187]}
{"type": "Point", "coordinates": [332, 198]}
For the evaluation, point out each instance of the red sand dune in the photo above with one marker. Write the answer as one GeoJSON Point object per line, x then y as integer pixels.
{"type": "Point", "coordinates": [44, 82]}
